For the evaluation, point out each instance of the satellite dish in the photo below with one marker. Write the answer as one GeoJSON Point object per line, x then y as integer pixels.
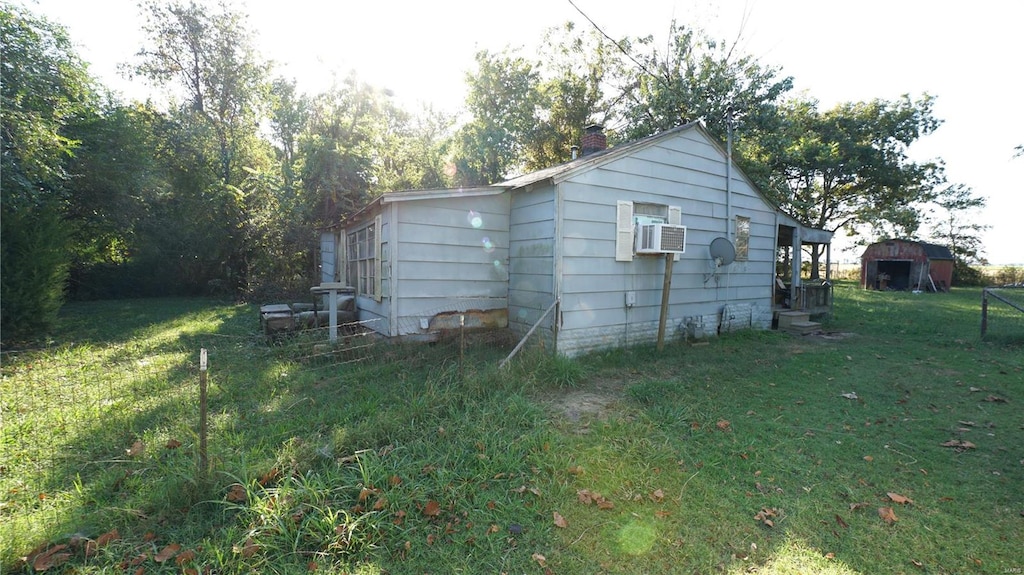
{"type": "Point", "coordinates": [723, 252]}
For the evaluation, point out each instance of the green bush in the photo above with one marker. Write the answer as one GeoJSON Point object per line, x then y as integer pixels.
{"type": "Point", "coordinates": [34, 263]}
{"type": "Point", "coordinates": [965, 275]}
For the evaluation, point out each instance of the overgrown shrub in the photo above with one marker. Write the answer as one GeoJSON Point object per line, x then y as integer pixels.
{"type": "Point", "coordinates": [965, 275]}
{"type": "Point", "coordinates": [33, 271]}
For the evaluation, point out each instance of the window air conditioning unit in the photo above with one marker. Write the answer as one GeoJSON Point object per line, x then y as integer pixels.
{"type": "Point", "coordinates": [660, 239]}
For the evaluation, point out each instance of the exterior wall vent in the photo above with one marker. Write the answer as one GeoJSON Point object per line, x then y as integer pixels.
{"type": "Point", "coordinates": [660, 239]}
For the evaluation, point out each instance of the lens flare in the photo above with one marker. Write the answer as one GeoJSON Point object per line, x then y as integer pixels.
{"type": "Point", "coordinates": [474, 219]}
{"type": "Point", "coordinates": [488, 245]}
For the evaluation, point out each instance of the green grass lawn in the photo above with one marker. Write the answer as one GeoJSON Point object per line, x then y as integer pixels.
{"type": "Point", "coordinates": [756, 451]}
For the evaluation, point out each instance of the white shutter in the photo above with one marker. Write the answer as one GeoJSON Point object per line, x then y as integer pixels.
{"type": "Point", "coordinates": [377, 234]}
{"type": "Point", "coordinates": [675, 216]}
{"type": "Point", "coordinates": [624, 231]}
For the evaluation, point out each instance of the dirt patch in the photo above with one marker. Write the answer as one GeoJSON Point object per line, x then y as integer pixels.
{"type": "Point", "coordinates": [581, 406]}
{"type": "Point", "coordinates": [577, 406]}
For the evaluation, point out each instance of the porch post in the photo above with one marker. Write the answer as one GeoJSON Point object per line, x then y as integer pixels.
{"type": "Point", "coordinates": [828, 262]}
{"type": "Point", "coordinates": [794, 286]}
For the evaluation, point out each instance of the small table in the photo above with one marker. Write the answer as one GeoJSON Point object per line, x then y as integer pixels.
{"type": "Point", "coordinates": [331, 289]}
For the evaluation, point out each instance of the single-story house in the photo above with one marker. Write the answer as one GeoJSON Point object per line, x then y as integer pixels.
{"type": "Point", "coordinates": [579, 249]}
{"type": "Point", "coordinates": [906, 264]}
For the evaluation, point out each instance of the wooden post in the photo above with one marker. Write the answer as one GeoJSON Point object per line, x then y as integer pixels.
{"type": "Point", "coordinates": [666, 290]}
{"type": "Point", "coordinates": [203, 461]}
{"type": "Point", "coordinates": [462, 346]}
{"type": "Point", "coordinates": [984, 311]}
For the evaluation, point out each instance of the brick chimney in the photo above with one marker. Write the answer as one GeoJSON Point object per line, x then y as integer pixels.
{"type": "Point", "coordinates": [593, 139]}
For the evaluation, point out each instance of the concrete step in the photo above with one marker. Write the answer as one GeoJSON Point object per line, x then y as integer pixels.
{"type": "Point", "coordinates": [802, 327]}
{"type": "Point", "coordinates": [788, 318]}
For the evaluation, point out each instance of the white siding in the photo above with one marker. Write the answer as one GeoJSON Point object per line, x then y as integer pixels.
{"type": "Point", "coordinates": [686, 171]}
{"type": "Point", "coordinates": [531, 253]}
{"type": "Point", "coordinates": [452, 256]}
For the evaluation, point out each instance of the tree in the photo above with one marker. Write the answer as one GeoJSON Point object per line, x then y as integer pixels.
{"type": "Point", "coordinates": [115, 176]}
{"type": "Point", "coordinates": [504, 99]}
{"type": "Point", "coordinates": [289, 113]}
{"type": "Point", "coordinates": [571, 94]}
{"type": "Point", "coordinates": [210, 57]}
{"type": "Point", "coordinates": [697, 78]}
{"type": "Point", "coordinates": [207, 56]}
{"type": "Point", "coordinates": [952, 226]}
{"type": "Point", "coordinates": [43, 86]}
{"type": "Point", "coordinates": [339, 148]}
{"type": "Point", "coordinates": [848, 166]}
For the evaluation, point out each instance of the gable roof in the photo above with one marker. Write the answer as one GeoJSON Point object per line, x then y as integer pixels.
{"type": "Point", "coordinates": [931, 251]}
{"type": "Point", "coordinates": [568, 169]}
{"type": "Point", "coordinates": [936, 252]}
{"type": "Point", "coordinates": [561, 172]}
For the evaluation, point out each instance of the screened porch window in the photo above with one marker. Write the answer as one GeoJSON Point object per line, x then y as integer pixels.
{"type": "Point", "coordinates": [362, 260]}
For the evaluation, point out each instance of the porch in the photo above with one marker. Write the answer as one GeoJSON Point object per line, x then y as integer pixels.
{"type": "Point", "coordinates": [800, 287]}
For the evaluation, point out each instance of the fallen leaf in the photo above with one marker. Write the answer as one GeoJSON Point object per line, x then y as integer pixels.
{"type": "Point", "coordinates": [52, 557]}
{"type": "Point", "coordinates": [173, 444]}
{"type": "Point", "coordinates": [432, 508]}
{"type": "Point", "coordinates": [94, 545]}
{"type": "Point", "coordinates": [840, 521]}
{"type": "Point", "coordinates": [248, 549]}
{"type": "Point", "coordinates": [167, 553]}
{"type": "Point", "coordinates": [850, 395]}
{"type": "Point", "coordinates": [967, 423]}
{"type": "Point", "coordinates": [830, 555]}
{"type": "Point", "coordinates": [380, 503]}
{"type": "Point", "coordinates": [723, 424]}
{"type": "Point", "coordinates": [765, 515]}
{"type": "Point", "coordinates": [431, 538]}
{"type": "Point", "coordinates": [897, 498]}
{"type": "Point", "coordinates": [136, 449]}
{"type": "Point", "coordinates": [559, 520]}
{"type": "Point", "coordinates": [185, 557]}
{"type": "Point", "coordinates": [605, 504]}
{"type": "Point", "coordinates": [917, 563]}
{"type": "Point", "coordinates": [270, 477]}
{"type": "Point", "coordinates": [540, 559]}
{"type": "Point", "coordinates": [394, 481]}
{"type": "Point", "coordinates": [958, 444]}
{"type": "Point", "coordinates": [995, 399]}
{"type": "Point", "coordinates": [974, 389]}
{"type": "Point", "coordinates": [237, 493]}
{"type": "Point", "coordinates": [493, 529]}
{"type": "Point", "coordinates": [585, 496]}
{"type": "Point", "coordinates": [868, 458]}
{"type": "Point", "coordinates": [887, 515]}
{"type": "Point", "coordinates": [365, 492]}
{"type": "Point", "coordinates": [657, 496]}
{"type": "Point", "coordinates": [575, 470]}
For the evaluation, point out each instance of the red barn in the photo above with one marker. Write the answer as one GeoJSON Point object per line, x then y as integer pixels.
{"type": "Point", "coordinates": [906, 264]}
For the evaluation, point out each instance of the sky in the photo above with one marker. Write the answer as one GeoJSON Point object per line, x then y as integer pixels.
{"type": "Point", "coordinates": [966, 54]}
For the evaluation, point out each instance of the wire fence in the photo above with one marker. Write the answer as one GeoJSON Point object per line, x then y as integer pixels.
{"type": "Point", "coordinates": [69, 414]}
{"type": "Point", "coordinates": [1002, 312]}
